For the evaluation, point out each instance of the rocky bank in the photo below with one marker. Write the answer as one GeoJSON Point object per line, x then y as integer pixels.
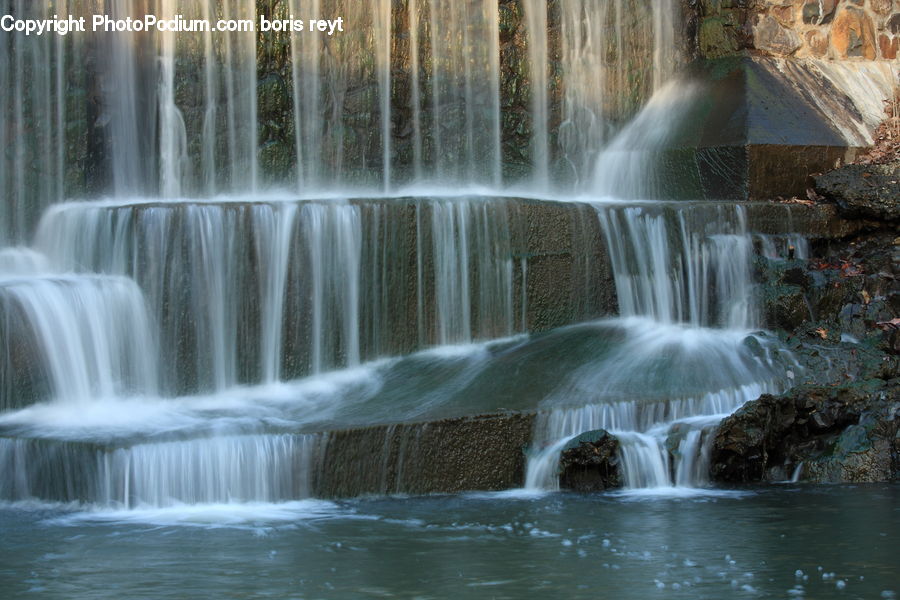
{"type": "Point", "coordinates": [838, 313]}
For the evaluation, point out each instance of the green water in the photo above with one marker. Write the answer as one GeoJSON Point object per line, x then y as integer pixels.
{"type": "Point", "coordinates": [843, 540]}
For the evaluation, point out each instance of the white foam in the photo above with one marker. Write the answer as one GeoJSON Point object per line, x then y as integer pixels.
{"type": "Point", "coordinates": [677, 493]}
{"type": "Point", "coordinates": [243, 515]}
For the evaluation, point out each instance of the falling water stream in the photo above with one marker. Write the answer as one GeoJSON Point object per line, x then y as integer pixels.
{"type": "Point", "coordinates": [685, 293]}
{"type": "Point", "coordinates": [234, 286]}
{"type": "Point", "coordinates": [224, 251]}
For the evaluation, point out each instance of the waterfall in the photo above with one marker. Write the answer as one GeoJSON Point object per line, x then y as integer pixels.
{"type": "Point", "coordinates": [682, 266]}
{"type": "Point", "coordinates": [92, 334]}
{"type": "Point", "coordinates": [627, 167]}
{"type": "Point", "coordinates": [172, 135]}
{"type": "Point", "coordinates": [34, 108]}
{"type": "Point", "coordinates": [163, 114]}
{"type": "Point", "coordinates": [468, 242]}
{"type": "Point", "coordinates": [257, 468]}
{"type": "Point", "coordinates": [257, 292]}
{"type": "Point", "coordinates": [273, 250]}
{"type": "Point", "coordinates": [536, 15]}
{"type": "Point", "coordinates": [191, 281]}
{"type": "Point", "coordinates": [688, 359]}
{"type": "Point", "coordinates": [607, 74]}
{"type": "Point", "coordinates": [382, 31]}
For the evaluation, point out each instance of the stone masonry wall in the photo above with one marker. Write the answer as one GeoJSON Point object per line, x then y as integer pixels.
{"type": "Point", "coordinates": [825, 29]}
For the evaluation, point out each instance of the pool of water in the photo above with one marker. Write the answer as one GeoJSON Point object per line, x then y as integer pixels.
{"type": "Point", "coordinates": [779, 542]}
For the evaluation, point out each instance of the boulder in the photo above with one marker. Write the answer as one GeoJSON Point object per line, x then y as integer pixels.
{"type": "Point", "coordinates": [590, 463]}
{"type": "Point", "coordinates": [863, 191]}
{"type": "Point", "coordinates": [829, 433]}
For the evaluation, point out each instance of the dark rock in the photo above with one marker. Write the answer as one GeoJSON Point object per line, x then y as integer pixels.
{"type": "Point", "coordinates": [864, 191]}
{"type": "Point", "coordinates": [786, 308]}
{"type": "Point", "coordinates": [834, 434]}
{"type": "Point", "coordinates": [783, 292]}
{"type": "Point", "coordinates": [590, 463]}
{"type": "Point", "coordinates": [818, 12]}
{"type": "Point", "coordinates": [849, 292]}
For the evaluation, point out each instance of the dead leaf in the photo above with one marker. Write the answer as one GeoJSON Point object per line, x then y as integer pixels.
{"type": "Point", "coordinates": [849, 269]}
{"type": "Point", "coordinates": [813, 196]}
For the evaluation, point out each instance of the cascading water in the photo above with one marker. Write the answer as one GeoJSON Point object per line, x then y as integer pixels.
{"type": "Point", "coordinates": [612, 53]}
{"type": "Point", "coordinates": [172, 115]}
{"type": "Point", "coordinates": [33, 127]}
{"type": "Point", "coordinates": [269, 468]}
{"type": "Point", "coordinates": [152, 296]}
{"type": "Point", "coordinates": [258, 292]}
{"type": "Point", "coordinates": [627, 167]}
{"type": "Point", "coordinates": [81, 337]}
{"type": "Point", "coordinates": [689, 358]}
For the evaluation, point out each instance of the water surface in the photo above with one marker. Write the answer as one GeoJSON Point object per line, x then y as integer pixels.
{"type": "Point", "coordinates": [781, 542]}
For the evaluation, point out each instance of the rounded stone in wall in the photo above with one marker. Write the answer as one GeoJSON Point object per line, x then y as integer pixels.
{"type": "Point", "coordinates": [819, 12]}
{"type": "Point", "coordinates": [817, 42]}
{"type": "Point", "coordinates": [770, 36]}
{"type": "Point", "coordinates": [893, 24]}
{"type": "Point", "coordinates": [853, 35]}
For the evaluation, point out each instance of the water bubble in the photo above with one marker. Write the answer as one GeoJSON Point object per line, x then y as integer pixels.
{"type": "Point", "coordinates": [798, 574]}
{"type": "Point", "coordinates": [840, 584]}
{"type": "Point", "coordinates": [659, 584]}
